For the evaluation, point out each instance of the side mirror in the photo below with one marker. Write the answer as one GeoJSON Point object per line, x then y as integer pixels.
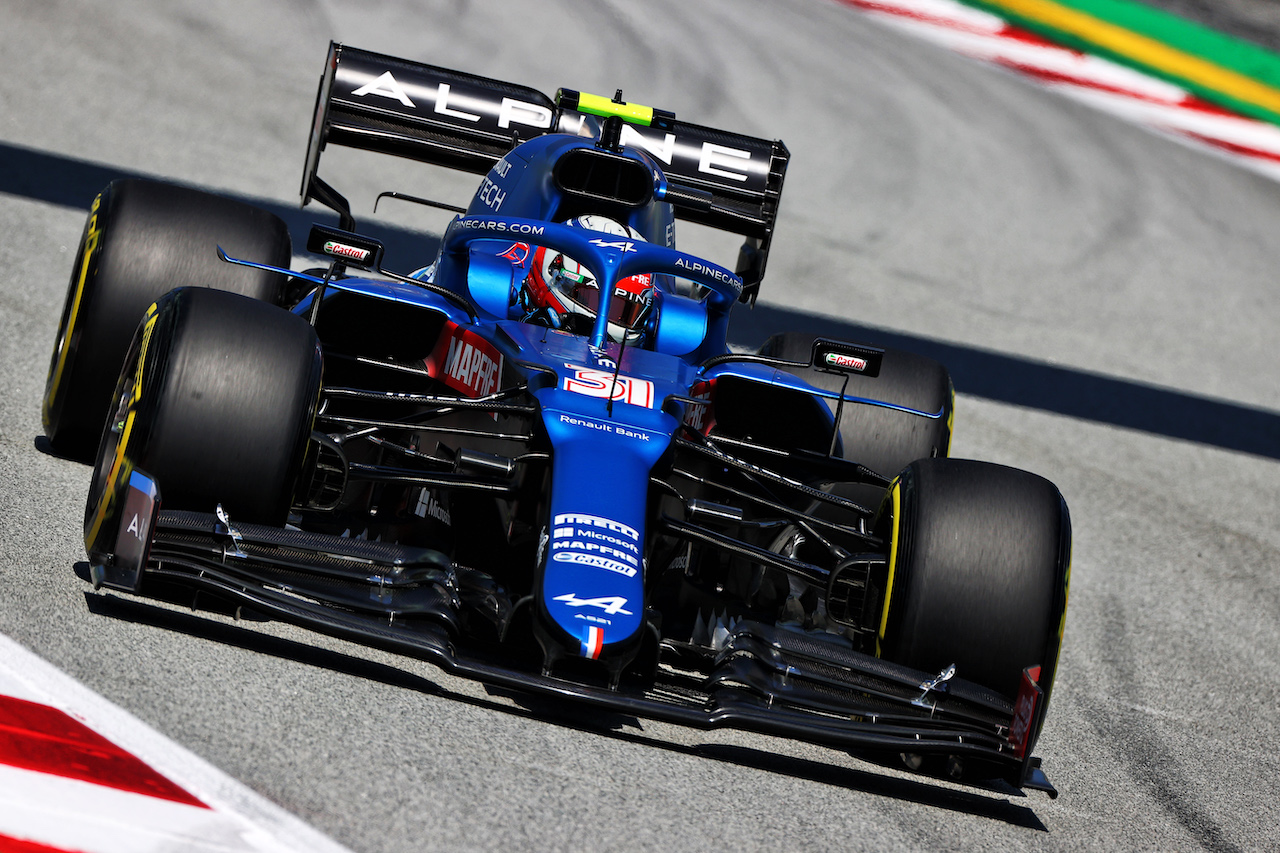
{"type": "Point", "coordinates": [345, 246]}
{"type": "Point", "coordinates": [842, 357]}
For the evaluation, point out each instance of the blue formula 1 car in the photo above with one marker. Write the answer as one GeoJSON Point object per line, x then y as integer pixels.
{"type": "Point", "coordinates": [535, 461]}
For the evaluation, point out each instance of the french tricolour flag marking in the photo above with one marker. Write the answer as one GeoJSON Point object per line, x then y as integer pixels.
{"type": "Point", "coordinates": [1129, 94]}
{"type": "Point", "coordinates": [594, 642]}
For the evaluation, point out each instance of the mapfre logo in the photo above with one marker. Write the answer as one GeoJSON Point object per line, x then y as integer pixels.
{"type": "Point", "coordinates": [699, 416]}
{"type": "Point", "coordinates": [466, 362]}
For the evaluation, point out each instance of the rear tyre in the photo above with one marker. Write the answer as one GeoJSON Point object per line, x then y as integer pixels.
{"type": "Point", "coordinates": [215, 402]}
{"type": "Point", "coordinates": [979, 565]}
{"type": "Point", "coordinates": [882, 439]}
{"type": "Point", "coordinates": [142, 239]}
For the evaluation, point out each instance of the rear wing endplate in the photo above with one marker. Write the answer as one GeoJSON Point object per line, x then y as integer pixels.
{"type": "Point", "coordinates": [463, 121]}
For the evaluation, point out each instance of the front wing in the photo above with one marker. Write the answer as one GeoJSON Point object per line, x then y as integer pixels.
{"type": "Point", "coordinates": [412, 601]}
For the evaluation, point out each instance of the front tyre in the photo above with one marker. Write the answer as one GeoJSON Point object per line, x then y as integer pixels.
{"type": "Point", "coordinates": [142, 239]}
{"type": "Point", "coordinates": [978, 572]}
{"type": "Point", "coordinates": [215, 402]}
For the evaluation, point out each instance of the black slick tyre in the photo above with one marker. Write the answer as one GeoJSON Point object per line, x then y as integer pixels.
{"type": "Point", "coordinates": [215, 402]}
{"type": "Point", "coordinates": [142, 239]}
{"type": "Point", "coordinates": [978, 572]}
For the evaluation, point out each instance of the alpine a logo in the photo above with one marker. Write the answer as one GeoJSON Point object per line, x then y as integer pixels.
{"type": "Point", "coordinates": [847, 362]}
{"type": "Point", "coordinates": [618, 245]}
{"type": "Point", "coordinates": [611, 604]}
{"type": "Point", "coordinates": [341, 250]}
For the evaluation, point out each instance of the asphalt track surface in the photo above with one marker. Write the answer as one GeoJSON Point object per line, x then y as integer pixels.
{"type": "Point", "coordinates": [1106, 299]}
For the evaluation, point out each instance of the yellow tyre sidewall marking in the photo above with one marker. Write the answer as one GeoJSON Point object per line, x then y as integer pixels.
{"type": "Point", "coordinates": [92, 235]}
{"type": "Point", "coordinates": [1066, 594]}
{"type": "Point", "coordinates": [895, 492]}
{"type": "Point", "coordinates": [951, 417]}
{"type": "Point", "coordinates": [118, 462]}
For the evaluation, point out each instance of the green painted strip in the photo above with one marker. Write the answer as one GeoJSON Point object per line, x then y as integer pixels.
{"type": "Point", "coordinates": [1187, 36]}
{"type": "Point", "coordinates": [1233, 73]}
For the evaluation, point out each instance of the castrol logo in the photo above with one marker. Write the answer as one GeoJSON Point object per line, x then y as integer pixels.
{"type": "Point", "coordinates": [341, 250]}
{"type": "Point", "coordinates": [848, 362]}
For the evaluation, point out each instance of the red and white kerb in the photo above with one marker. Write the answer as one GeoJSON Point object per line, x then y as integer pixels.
{"type": "Point", "coordinates": [80, 775]}
{"type": "Point", "coordinates": [1136, 97]}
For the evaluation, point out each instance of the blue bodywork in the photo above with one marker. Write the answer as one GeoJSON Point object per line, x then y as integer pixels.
{"type": "Point", "coordinates": [609, 412]}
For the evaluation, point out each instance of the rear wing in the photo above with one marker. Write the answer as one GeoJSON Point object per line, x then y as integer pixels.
{"type": "Point", "coordinates": [467, 122]}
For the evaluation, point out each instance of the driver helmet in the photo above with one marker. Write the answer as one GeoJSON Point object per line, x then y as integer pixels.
{"type": "Point", "coordinates": [568, 295]}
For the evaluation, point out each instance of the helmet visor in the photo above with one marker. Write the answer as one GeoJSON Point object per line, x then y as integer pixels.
{"type": "Point", "coordinates": [625, 307]}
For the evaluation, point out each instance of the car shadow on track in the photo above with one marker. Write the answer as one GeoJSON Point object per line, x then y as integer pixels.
{"type": "Point", "coordinates": [235, 636]}
{"type": "Point", "coordinates": [42, 445]}
{"type": "Point", "coordinates": [988, 803]}
{"type": "Point", "coordinates": [1048, 387]}
{"type": "Point", "coordinates": [70, 182]}
{"type": "Point", "coordinates": [73, 183]}
{"type": "Point", "coordinates": [980, 801]}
